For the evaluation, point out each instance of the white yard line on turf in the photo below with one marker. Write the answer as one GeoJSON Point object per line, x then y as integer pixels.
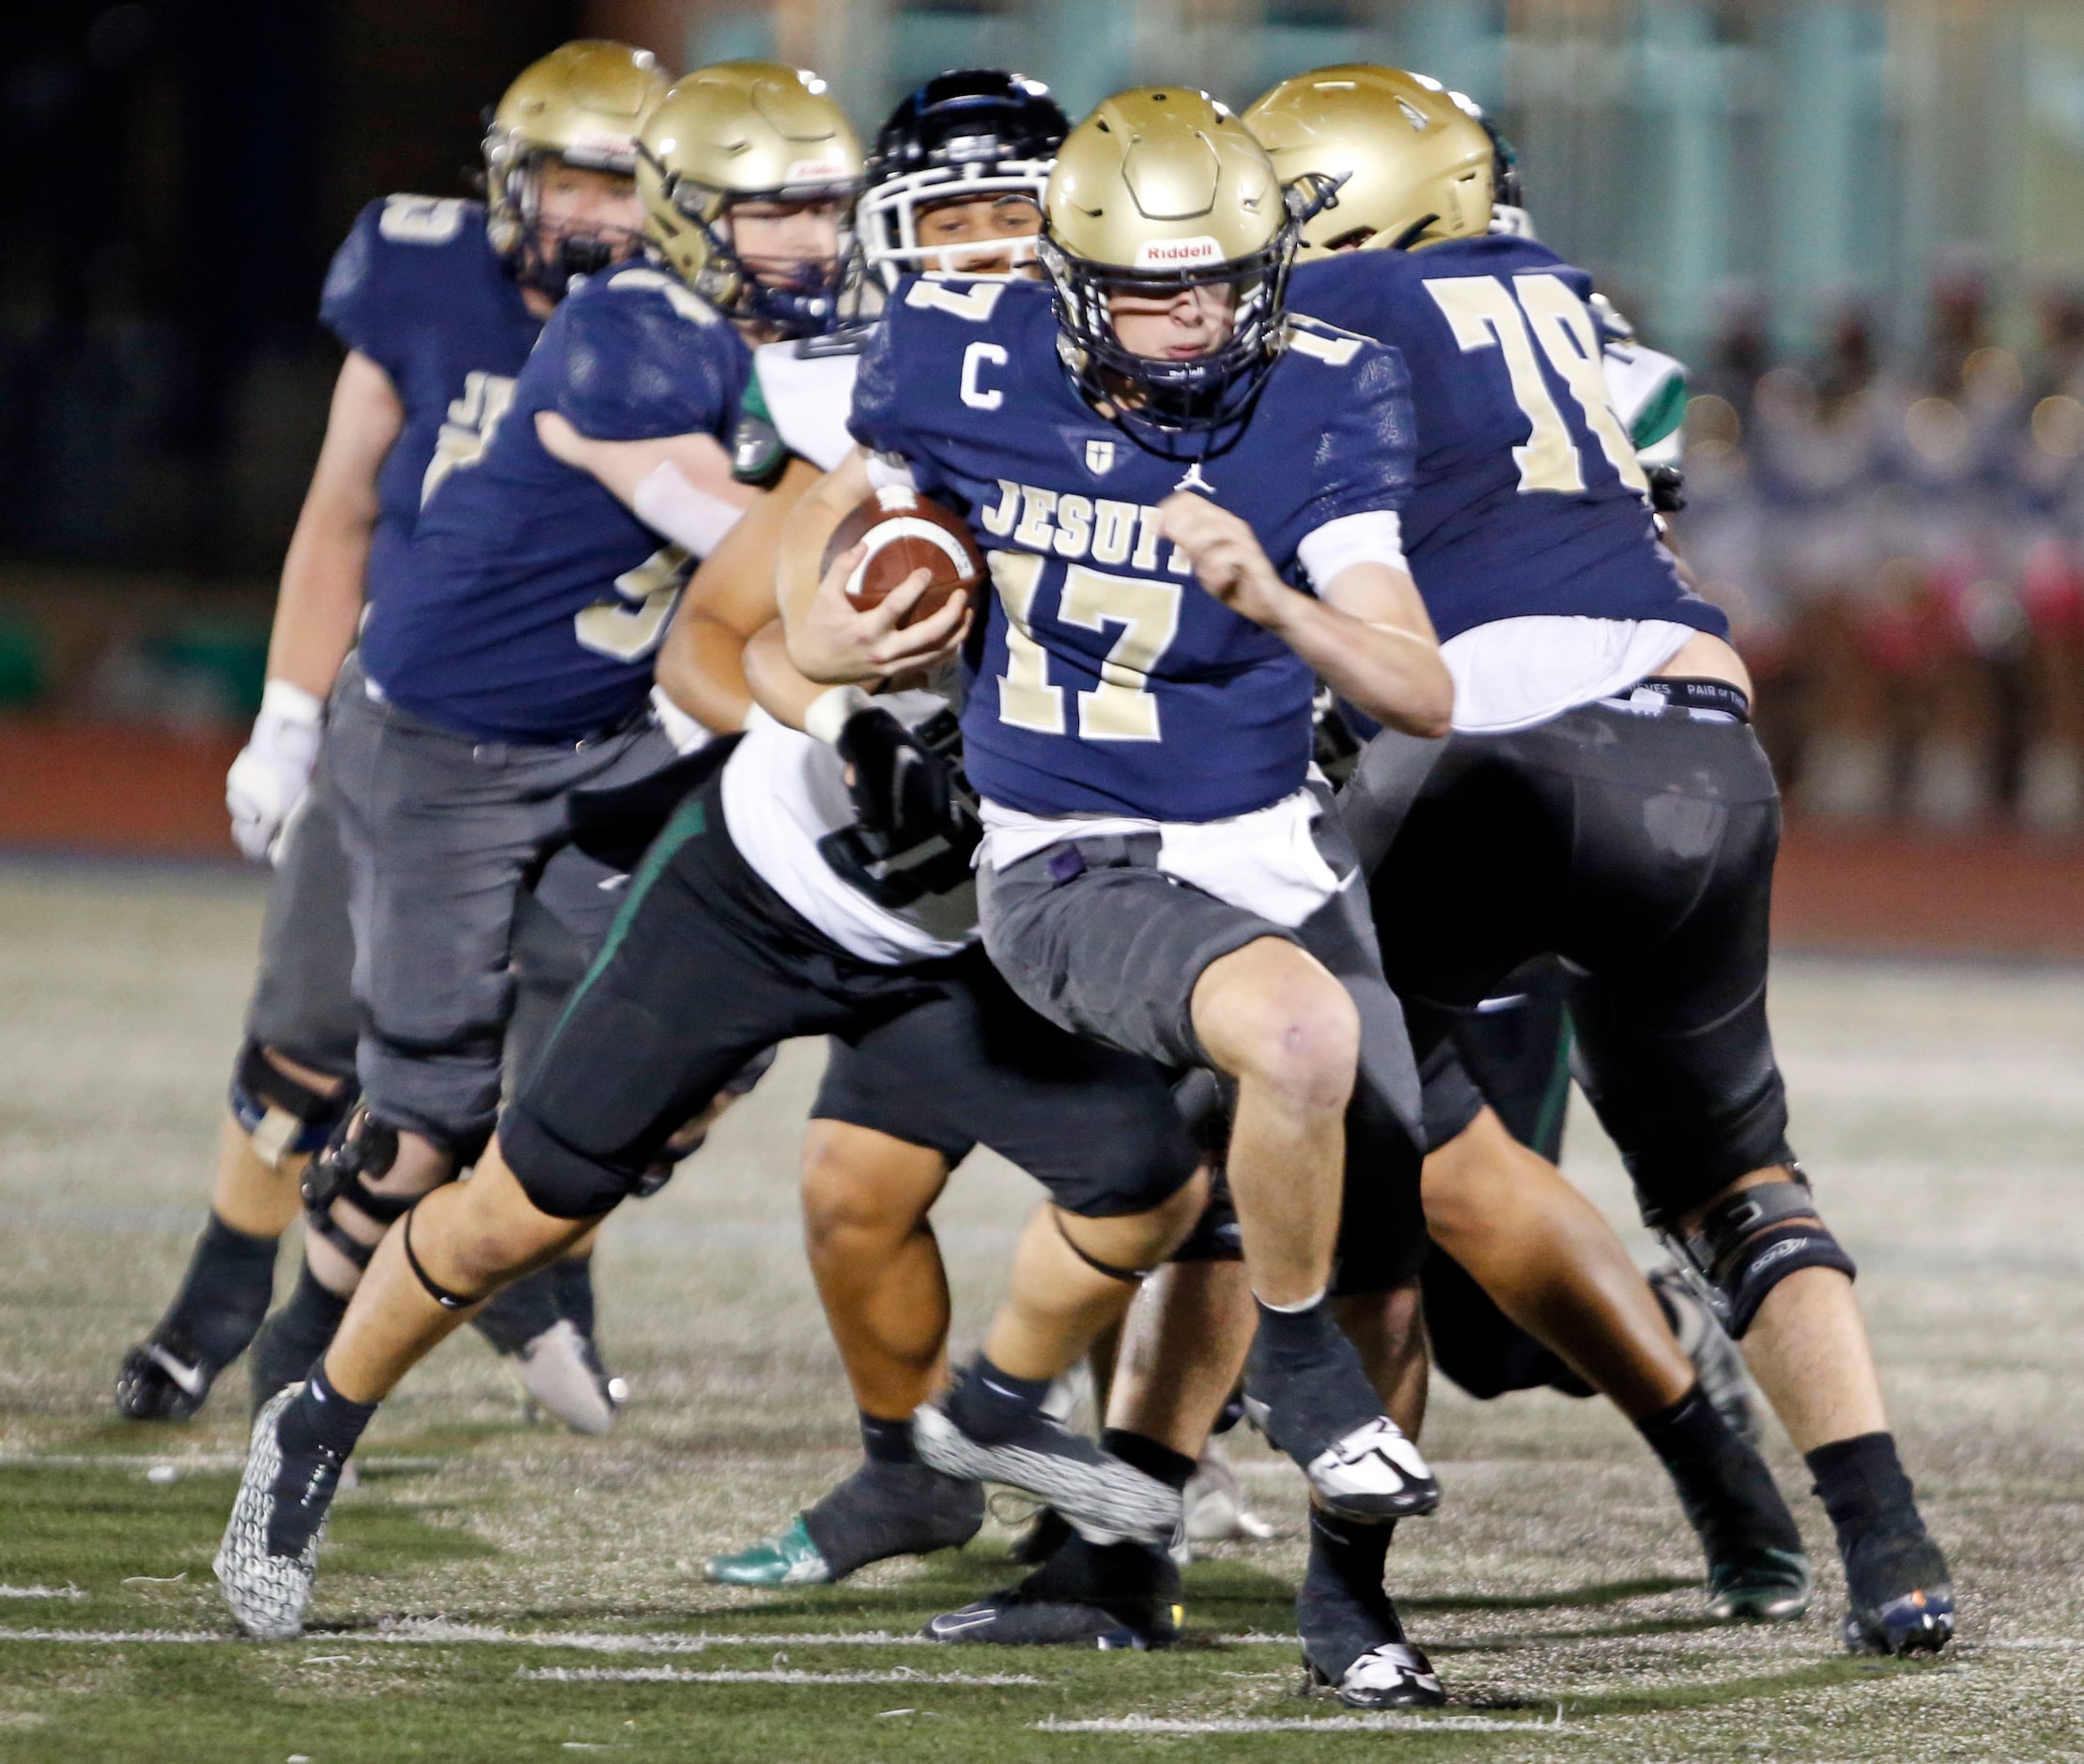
{"type": "Point", "coordinates": [434, 1633]}
{"type": "Point", "coordinates": [41, 1592]}
{"type": "Point", "coordinates": [1329, 1724]}
{"type": "Point", "coordinates": [680, 1675]}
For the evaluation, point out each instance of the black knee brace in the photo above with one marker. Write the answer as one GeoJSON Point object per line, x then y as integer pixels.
{"type": "Point", "coordinates": [1748, 1244]}
{"type": "Point", "coordinates": [281, 1117]}
{"type": "Point", "coordinates": [361, 1151]}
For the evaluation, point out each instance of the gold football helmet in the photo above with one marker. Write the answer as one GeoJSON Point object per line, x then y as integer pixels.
{"type": "Point", "coordinates": [582, 104]}
{"type": "Point", "coordinates": [1158, 190]}
{"type": "Point", "coordinates": [1416, 167]}
{"type": "Point", "coordinates": [739, 131]}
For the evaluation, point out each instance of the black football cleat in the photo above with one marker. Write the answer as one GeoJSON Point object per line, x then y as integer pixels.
{"type": "Point", "coordinates": [880, 1512]}
{"type": "Point", "coordinates": [1088, 1594]}
{"type": "Point", "coordinates": [1900, 1595]}
{"type": "Point", "coordinates": [163, 1378]}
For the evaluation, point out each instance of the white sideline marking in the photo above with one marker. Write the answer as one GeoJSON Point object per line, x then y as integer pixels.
{"type": "Point", "coordinates": [1329, 1724]}
{"type": "Point", "coordinates": [195, 1461]}
{"type": "Point", "coordinates": [41, 1592]}
{"type": "Point", "coordinates": [436, 1632]}
{"type": "Point", "coordinates": [680, 1675]}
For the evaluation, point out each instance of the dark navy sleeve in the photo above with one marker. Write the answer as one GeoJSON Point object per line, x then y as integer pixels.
{"type": "Point", "coordinates": [875, 421]}
{"type": "Point", "coordinates": [640, 366]}
{"type": "Point", "coordinates": [1364, 458]}
{"type": "Point", "coordinates": [351, 303]}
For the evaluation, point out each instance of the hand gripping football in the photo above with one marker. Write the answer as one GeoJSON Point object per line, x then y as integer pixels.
{"type": "Point", "coordinates": [904, 532]}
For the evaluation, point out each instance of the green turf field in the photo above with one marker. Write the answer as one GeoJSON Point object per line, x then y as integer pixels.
{"type": "Point", "coordinates": [498, 1591]}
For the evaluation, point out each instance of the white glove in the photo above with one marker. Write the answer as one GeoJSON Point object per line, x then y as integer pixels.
{"type": "Point", "coordinates": [274, 770]}
{"type": "Point", "coordinates": [683, 731]}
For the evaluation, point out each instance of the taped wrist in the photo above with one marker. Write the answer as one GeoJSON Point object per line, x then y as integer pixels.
{"type": "Point", "coordinates": [279, 1115]}
{"type": "Point", "coordinates": [830, 711]}
{"type": "Point", "coordinates": [1748, 1243]}
{"type": "Point", "coordinates": [669, 503]}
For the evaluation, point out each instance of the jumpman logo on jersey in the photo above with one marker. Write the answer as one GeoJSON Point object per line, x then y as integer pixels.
{"type": "Point", "coordinates": [1194, 481]}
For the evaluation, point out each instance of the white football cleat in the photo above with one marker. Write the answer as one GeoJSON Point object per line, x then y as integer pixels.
{"type": "Point", "coordinates": [267, 1585]}
{"type": "Point", "coordinates": [1373, 1473]}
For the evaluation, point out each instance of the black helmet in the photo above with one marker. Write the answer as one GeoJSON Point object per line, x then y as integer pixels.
{"type": "Point", "coordinates": [970, 133]}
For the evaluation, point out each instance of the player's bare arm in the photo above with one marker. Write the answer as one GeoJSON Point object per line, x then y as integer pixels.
{"type": "Point", "coordinates": [703, 665]}
{"type": "Point", "coordinates": [318, 607]}
{"type": "Point", "coordinates": [319, 603]}
{"type": "Point", "coordinates": [830, 640]}
{"type": "Point", "coordinates": [678, 485]}
{"type": "Point", "coordinates": [1368, 636]}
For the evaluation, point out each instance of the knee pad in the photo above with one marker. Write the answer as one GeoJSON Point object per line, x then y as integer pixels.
{"type": "Point", "coordinates": [361, 1151]}
{"type": "Point", "coordinates": [1748, 1243]}
{"type": "Point", "coordinates": [279, 1115]}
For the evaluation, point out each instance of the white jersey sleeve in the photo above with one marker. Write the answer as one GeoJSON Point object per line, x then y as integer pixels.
{"type": "Point", "coordinates": [808, 398]}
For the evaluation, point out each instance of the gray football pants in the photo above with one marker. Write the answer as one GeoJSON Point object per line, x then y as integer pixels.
{"type": "Point", "coordinates": [445, 840]}
{"type": "Point", "coordinates": [303, 1002]}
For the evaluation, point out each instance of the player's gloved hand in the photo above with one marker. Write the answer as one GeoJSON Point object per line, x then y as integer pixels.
{"type": "Point", "coordinates": [917, 828]}
{"type": "Point", "coordinates": [274, 770]}
{"type": "Point", "coordinates": [899, 789]}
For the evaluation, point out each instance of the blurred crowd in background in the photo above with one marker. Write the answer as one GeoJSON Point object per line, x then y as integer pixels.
{"type": "Point", "coordinates": [1885, 483]}
{"type": "Point", "coordinates": [1896, 528]}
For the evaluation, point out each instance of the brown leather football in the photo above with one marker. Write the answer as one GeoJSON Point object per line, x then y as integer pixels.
{"type": "Point", "coordinates": [907, 531]}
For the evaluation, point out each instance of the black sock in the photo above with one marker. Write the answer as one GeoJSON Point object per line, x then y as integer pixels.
{"type": "Point", "coordinates": [296, 1335]}
{"type": "Point", "coordinates": [1294, 1337]}
{"type": "Point", "coordinates": [573, 1281]}
{"type": "Point", "coordinates": [1343, 1610]}
{"type": "Point", "coordinates": [322, 1416]}
{"type": "Point", "coordinates": [1862, 1486]}
{"type": "Point", "coordinates": [1724, 1485]}
{"type": "Point", "coordinates": [888, 1442]}
{"type": "Point", "coordinates": [225, 1293]}
{"type": "Point", "coordinates": [1141, 1452]}
{"type": "Point", "coordinates": [991, 1405]}
{"type": "Point", "coordinates": [1306, 1371]}
{"type": "Point", "coordinates": [518, 1313]}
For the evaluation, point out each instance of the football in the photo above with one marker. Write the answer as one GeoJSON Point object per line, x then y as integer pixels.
{"type": "Point", "coordinates": [904, 532]}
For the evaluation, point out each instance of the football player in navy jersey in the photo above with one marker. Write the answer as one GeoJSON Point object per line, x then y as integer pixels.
{"type": "Point", "coordinates": [438, 301]}
{"type": "Point", "coordinates": [1156, 871]}
{"type": "Point", "coordinates": [1602, 796]}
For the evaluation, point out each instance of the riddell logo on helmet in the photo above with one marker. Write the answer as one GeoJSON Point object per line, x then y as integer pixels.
{"type": "Point", "coordinates": [1165, 254]}
{"type": "Point", "coordinates": [816, 172]}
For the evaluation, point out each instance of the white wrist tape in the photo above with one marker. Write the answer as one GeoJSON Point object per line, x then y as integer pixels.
{"type": "Point", "coordinates": [685, 733]}
{"type": "Point", "coordinates": [828, 713]}
{"type": "Point", "coordinates": [1375, 538]}
{"type": "Point", "coordinates": [668, 503]}
{"type": "Point", "coordinates": [285, 701]}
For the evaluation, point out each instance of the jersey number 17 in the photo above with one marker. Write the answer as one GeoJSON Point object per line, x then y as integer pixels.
{"type": "Point", "coordinates": [1540, 309]}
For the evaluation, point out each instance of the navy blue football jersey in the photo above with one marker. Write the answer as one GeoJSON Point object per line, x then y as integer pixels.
{"type": "Point", "coordinates": [1104, 680]}
{"type": "Point", "coordinates": [1529, 499]}
{"type": "Point", "coordinates": [529, 604]}
{"type": "Point", "coordinates": [417, 287]}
